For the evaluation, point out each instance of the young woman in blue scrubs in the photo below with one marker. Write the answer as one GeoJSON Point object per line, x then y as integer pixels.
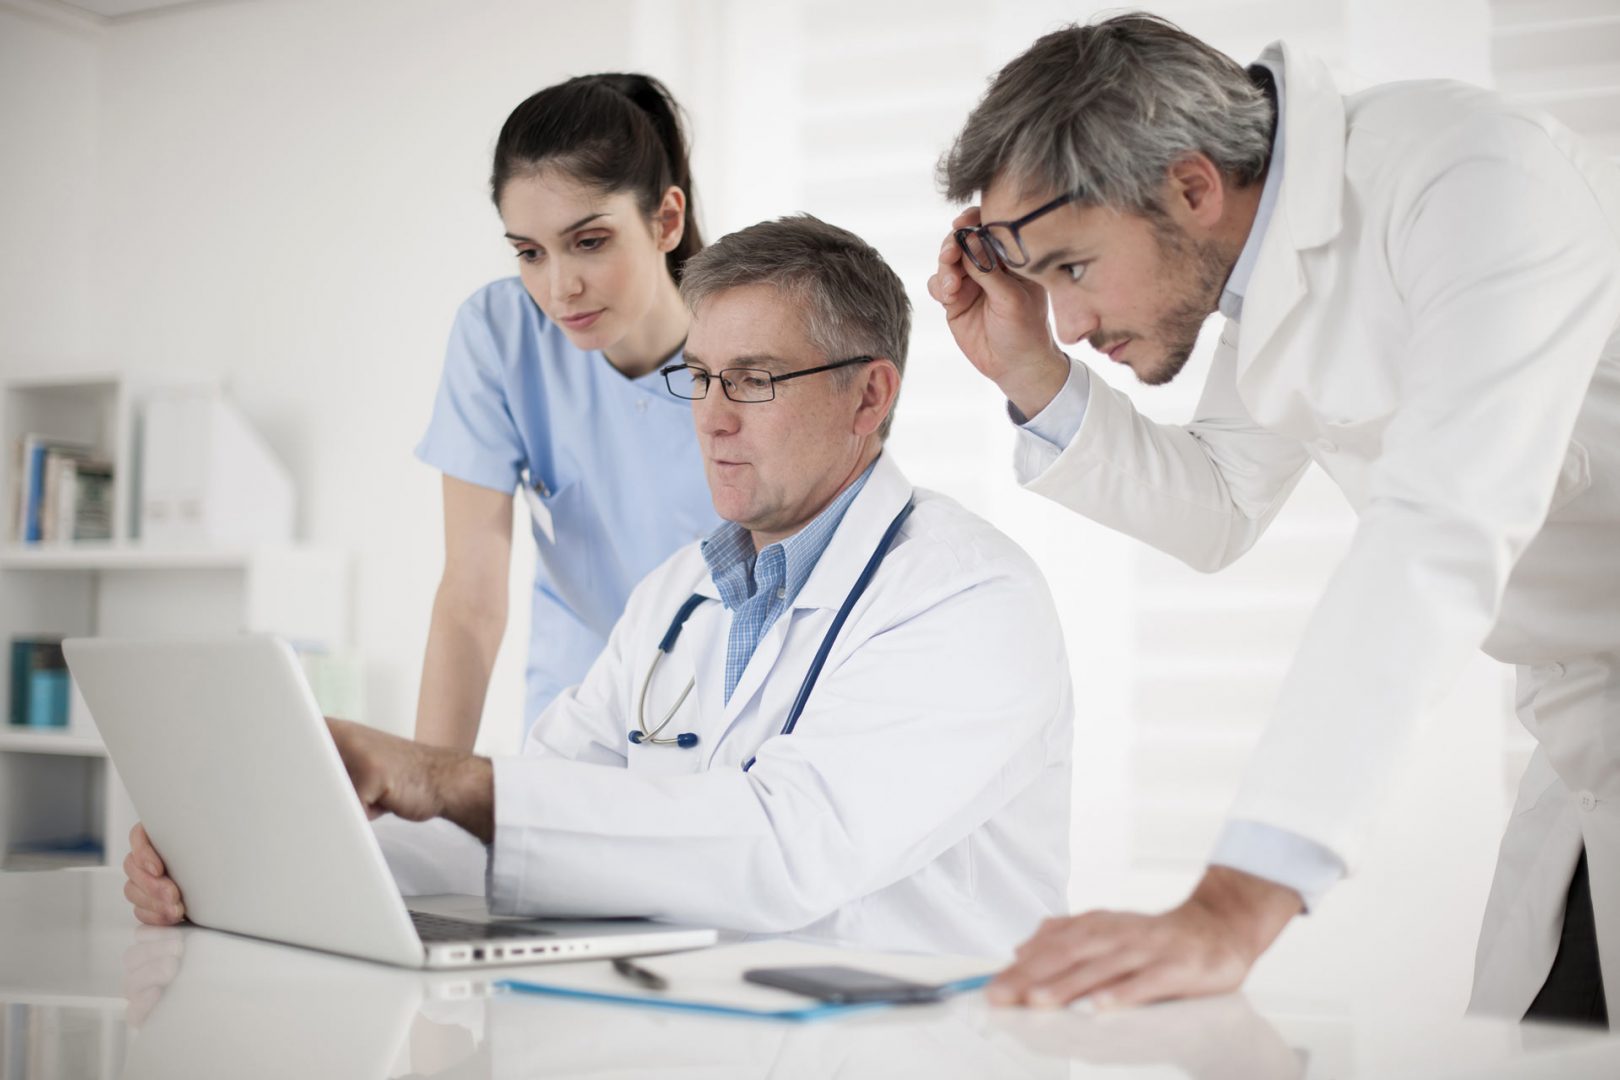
{"type": "Point", "coordinates": [551, 390]}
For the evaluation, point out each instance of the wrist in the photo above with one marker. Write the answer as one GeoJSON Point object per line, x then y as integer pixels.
{"type": "Point", "coordinates": [466, 785]}
{"type": "Point", "coordinates": [1031, 385]}
{"type": "Point", "coordinates": [1252, 909]}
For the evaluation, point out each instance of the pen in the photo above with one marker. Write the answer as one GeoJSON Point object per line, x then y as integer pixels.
{"type": "Point", "coordinates": [639, 975]}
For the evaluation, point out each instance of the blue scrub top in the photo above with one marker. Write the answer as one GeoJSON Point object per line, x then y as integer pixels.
{"type": "Point", "coordinates": [614, 462]}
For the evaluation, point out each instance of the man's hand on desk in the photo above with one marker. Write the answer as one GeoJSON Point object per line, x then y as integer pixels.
{"type": "Point", "coordinates": [1205, 946]}
{"type": "Point", "coordinates": [416, 781]}
{"type": "Point", "coordinates": [155, 895]}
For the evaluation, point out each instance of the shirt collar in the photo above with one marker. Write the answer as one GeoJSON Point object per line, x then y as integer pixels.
{"type": "Point", "coordinates": [1237, 285]}
{"type": "Point", "coordinates": [729, 550]}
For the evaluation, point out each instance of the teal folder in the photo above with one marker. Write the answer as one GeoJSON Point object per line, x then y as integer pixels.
{"type": "Point", "coordinates": [710, 980]}
{"type": "Point", "coordinates": [816, 1011]}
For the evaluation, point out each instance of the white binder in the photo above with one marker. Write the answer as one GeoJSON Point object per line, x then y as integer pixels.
{"type": "Point", "coordinates": [206, 477]}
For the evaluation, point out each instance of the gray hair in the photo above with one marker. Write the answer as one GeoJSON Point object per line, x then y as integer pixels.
{"type": "Point", "coordinates": [851, 302]}
{"type": "Point", "coordinates": [1103, 111]}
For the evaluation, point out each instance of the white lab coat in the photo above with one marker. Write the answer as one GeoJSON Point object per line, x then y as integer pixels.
{"type": "Point", "coordinates": [921, 804]}
{"type": "Point", "coordinates": [1433, 320]}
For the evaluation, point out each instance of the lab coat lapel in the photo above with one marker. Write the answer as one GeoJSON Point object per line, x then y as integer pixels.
{"type": "Point", "coordinates": [759, 666]}
{"type": "Point", "coordinates": [886, 491]}
{"type": "Point", "coordinates": [1308, 212]}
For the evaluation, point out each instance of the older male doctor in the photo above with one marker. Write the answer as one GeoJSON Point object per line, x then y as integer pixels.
{"type": "Point", "coordinates": [920, 800]}
{"type": "Point", "coordinates": [1422, 291]}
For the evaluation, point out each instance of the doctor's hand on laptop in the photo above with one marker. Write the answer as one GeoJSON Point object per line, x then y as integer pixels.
{"type": "Point", "coordinates": [416, 781]}
{"type": "Point", "coordinates": [391, 775]}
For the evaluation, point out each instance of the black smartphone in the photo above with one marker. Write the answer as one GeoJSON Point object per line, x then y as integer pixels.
{"type": "Point", "coordinates": [843, 985]}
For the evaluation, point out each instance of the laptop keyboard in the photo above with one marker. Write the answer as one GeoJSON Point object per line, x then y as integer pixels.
{"type": "Point", "coordinates": [432, 928]}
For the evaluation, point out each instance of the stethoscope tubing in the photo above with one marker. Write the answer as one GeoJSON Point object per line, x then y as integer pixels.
{"type": "Point", "coordinates": [848, 605]}
{"type": "Point", "coordinates": [687, 740]}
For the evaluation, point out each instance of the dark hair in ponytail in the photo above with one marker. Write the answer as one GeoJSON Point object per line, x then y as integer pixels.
{"type": "Point", "coordinates": [617, 132]}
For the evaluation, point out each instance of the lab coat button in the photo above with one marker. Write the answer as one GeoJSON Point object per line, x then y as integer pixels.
{"type": "Point", "coordinates": [1588, 801]}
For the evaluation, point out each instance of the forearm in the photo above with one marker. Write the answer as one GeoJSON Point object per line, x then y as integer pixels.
{"type": "Point", "coordinates": [598, 832]}
{"type": "Point", "coordinates": [1203, 492]}
{"type": "Point", "coordinates": [460, 655]}
{"type": "Point", "coordinates": [1031, 385]}
{"type": "Point", "coordinates": [813, 826]}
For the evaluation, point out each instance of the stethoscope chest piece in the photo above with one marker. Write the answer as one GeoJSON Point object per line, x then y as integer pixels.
{"type": "Point", "coordinates": [651, 736]}
{"type": "Point", "coordinates": [685, 740]}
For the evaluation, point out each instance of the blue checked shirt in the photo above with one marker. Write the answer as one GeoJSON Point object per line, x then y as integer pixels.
{"type": "Point", "coordinates": [756, 589]}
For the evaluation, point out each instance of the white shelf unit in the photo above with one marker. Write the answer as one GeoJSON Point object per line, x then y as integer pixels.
{"type": "Point", "coordinates": [56, 784]}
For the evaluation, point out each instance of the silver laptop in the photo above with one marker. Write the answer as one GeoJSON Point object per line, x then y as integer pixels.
{"type": "Point", "coordinates": [234, 774]}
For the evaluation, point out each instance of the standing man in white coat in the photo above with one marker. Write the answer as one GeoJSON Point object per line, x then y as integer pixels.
{"type": "Point", "coordinates": [1421, 286]}
{"type": "Point", "coordinates": [921, 801]}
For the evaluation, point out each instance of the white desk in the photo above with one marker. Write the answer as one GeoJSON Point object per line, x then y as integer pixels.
{"type": "Point", "coordinates": [87, 992]}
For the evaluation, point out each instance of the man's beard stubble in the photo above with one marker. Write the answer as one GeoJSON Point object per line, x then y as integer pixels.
{"type": "Point", "coordinates": [1178, 327]}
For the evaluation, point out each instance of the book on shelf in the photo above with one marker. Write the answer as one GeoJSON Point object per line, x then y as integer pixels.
{"type": "Point", "coordinates": [88, 513]}
{"type": "Point", "coordinates": [64, 492]}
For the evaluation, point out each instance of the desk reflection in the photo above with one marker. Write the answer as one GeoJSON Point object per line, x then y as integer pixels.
{"type": "Point", "coordinates": [85, 993]}
{"type": "Point", "coordinates": [199, 1003]}
{"type": "Point", "coordinates": [207, 1004]}
{"type": "Point", "coordinates": [1220, 1038]}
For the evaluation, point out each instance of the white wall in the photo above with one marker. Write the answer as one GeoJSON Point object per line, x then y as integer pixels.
{"type": "Point", "coordinates": [50, 78]}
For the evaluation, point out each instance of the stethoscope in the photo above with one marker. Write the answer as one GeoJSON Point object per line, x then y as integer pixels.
{"type": "Point", "coordinates": [687, 739]}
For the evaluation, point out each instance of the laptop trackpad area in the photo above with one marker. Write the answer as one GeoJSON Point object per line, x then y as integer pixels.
{"type": "Point", "coordinates": [455, 906]}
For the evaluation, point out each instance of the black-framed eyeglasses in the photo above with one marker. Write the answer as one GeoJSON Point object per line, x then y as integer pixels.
{"type": "Point", "coordinates": [1003, 241]}
{"type": "Point", "coordinates": [747, 385]}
